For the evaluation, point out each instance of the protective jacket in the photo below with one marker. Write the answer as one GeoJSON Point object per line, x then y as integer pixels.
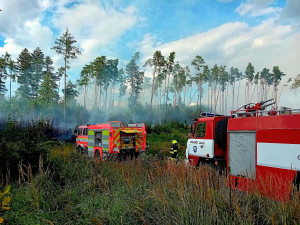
{"type": "Point", "coordinates": [174, 149]}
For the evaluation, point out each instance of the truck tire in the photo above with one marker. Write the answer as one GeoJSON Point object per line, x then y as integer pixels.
{"type": "Point", "coordinates": [221, 133]}
{"type": "Point", "coordinates": [97, 155]}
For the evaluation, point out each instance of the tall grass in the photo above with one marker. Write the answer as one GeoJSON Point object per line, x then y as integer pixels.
{"type": "Point", "coordinates": [77, 190]}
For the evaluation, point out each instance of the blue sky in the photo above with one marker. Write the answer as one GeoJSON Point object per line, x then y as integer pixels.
{"type": "Point", "coordinates": [233, 33]}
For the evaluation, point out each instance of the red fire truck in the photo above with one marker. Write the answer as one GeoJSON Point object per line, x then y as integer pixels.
{"type": "Point", "coordinates": [259, 149]}
{"type": "Point", "coordinates": [114, 137]}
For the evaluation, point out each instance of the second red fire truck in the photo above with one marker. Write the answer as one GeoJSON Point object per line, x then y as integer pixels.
{"type": "Point", "coordinates": [111, 138]}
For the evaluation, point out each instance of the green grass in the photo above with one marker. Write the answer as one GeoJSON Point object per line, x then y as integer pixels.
{"type": "Point", "coordinates": [76, 190]}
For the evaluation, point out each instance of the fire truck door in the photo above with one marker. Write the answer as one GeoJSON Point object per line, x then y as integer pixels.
{"type": "Point", "coordinates": [91, 143]}
{"type": "Point", "coordinates": [199, 145]}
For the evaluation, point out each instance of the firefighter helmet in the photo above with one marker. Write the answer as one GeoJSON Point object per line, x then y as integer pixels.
{"type": "Point", "coordinates": [174, 142]}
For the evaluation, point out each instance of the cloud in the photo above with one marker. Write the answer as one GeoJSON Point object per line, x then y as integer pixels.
{"type": "Point", "coordinates": [257, 8]}
{"type": "Point", "coordinates": [95, 26]}
{"type": "Point", "coordinates": [291, 11]}
{"type": "Point", "coordinates": [25, 29]}
{"type": "Point", "coordinates": [15, 13]}
{"type": "Point", "coordinates": [224, 1]}
{"type": "Point", "coordinates": [235, 44]}
{"type": "Point", "coordinates": [186, 48]}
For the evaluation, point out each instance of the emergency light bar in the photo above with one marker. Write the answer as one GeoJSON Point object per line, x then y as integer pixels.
{"type": "Point", "coordinates": [209, 115]}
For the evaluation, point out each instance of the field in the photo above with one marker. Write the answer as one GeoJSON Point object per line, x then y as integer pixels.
{"type": "Point", "coordinates": [63, 187]}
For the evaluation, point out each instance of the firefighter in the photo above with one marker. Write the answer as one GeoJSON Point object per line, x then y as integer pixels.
{"type": "Point", "coordinates": [174, 150]}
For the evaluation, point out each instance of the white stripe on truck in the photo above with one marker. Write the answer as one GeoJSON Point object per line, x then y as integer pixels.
{"type": "Point", "coordinates": [285, 156]}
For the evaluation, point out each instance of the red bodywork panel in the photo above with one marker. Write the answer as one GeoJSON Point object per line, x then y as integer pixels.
{"type": "Point", "coordinates": [280, 134]}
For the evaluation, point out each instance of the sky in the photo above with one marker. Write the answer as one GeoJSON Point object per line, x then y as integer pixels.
{"type": "Point", "coordinates": [224, 32]}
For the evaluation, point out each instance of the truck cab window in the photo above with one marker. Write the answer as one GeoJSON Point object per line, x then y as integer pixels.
{"type": "Point", "coordinates": [201, 129]}
{"type": "Point", "coordinates": [193, 129]}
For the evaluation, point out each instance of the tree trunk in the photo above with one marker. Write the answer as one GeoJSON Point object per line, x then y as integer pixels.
{"type": "Point", "coordinates": [84, 98]}
{"type": "Point", "coordinates": [95, 93]}
{"type": "Point", "coordinates": [233, 88]}
{"type": "Point", "coordinates": [65, 100]}
{"type": "Point", "coordinates": [237, 101]}
{"type": "Point", "coordinates": [208, 97]}
{"type": "Point", "coordinates": [100, 100]}
{"type": "Point", "coordinates": [106, 96]}
{"type": "Point", "coordinates": [152, 92]}
{"type": "Point", "coordinates": [113, 94]}
{"type": "Point", "coordinates": [10, 91]}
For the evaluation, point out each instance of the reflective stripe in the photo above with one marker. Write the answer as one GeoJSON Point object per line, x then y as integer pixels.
{"type": "Point", "coordinates": [105, 137]}
{"type": "Point", "coordinates": [105, 132]}
{"type": "Point", "coordinates": [117, 139]}
{"type": "Point", "coordinates": [105, 141]}
{"type": "Point", "coordinates": [138, 142]}
{"type": "Point", "coordinates": [117, 132]}
{"type": "Point", "coordinates": [91, 132]}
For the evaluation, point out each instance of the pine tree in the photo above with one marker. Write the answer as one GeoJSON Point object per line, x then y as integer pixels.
{"type": "Point", "coordinates": [215, 76]}
{"type": "Point", "coordinates": [134, 79]}
{"type": "Point", "coordinates": [122, 84]}
{"type": "Point", "coordinates": [64, 45]}
{"type": "Point", "coordinates": [249, 76]}
{"type": "Point", "coordinates": [12, 75]}
{"type": "Point", "coordinates": [277, 76]}
{"type": "Point", "coordinates": [110, 75]}
{"type": "Point", "coordinates": [158, 63]}
{"type": "Point", "coordinates": [98, 68]}
{"type": "Point", "coordinates": [296, 83]}
{"type": "Point", "coordinates": [71, 93]}
{"type": "Point", "coordinates": [178, 82]}
{"type": "Point", "coordinates": [47, 93]}
{"type": "Point", "coordinates": [200, 78]}
{"type": "Point", "coordinates": [38, 65]}
{"type": "Point", "coordinates": [3, 76]}
{"type": "Point", "coordinates": [85, 76]}
{"type": "Point", "coordinates": [24, 76]}
{"type": "Point", "coordinates": [169, 68]}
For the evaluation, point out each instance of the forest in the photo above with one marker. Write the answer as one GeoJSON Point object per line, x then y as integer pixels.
{"type": "Point", "coordinates": [45, 181]}
{"type": "Point", "coordinates": [156, 90]}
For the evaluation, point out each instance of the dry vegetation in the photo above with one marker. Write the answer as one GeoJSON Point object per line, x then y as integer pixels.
{"type": "Point", "coordinates": [76, 190]}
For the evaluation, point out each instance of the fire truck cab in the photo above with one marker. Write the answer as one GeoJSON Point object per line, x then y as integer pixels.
{"type": "Point", "coordinates": [207, 142]}
{"type": "Point", "coordinates": [81, 134]}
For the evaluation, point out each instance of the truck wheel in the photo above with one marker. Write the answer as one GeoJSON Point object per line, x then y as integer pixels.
{"type": "Point", "coordinates": [136, 154]}
{"type": "Point", "coordinates": [97, 155]}
{"type": "Point", "coordinates": [221, 133]}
